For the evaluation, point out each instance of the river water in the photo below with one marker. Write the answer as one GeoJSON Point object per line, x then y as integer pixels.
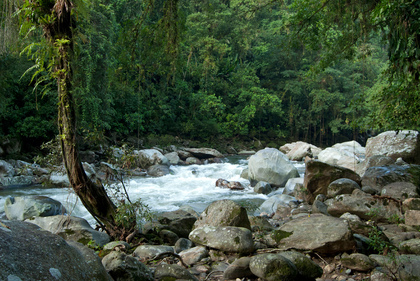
{"type": "Point", "coordinates": [192, 185]}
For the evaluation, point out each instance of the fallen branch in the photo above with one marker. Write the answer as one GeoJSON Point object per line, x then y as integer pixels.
{"type": "Point", "coordinates": [159, 256]}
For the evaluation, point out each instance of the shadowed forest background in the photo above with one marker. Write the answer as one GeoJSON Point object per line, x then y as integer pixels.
{"type": "Point", "coordinates": [217, 71]}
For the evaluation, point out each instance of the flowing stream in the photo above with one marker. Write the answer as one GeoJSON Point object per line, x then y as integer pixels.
{"type": "Point", "coordinates": [192, 185]}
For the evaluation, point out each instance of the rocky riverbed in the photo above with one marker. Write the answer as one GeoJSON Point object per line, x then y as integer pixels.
{"type": "Point", "coordinates": [354, 216]}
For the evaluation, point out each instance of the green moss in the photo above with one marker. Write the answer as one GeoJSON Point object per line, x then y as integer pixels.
{"type": "Point", "coordinates": [69, 231]}
{"type": "Point", "coordinates": [278, 235]}
{"type": "Point", "coordinates": [84, 241]}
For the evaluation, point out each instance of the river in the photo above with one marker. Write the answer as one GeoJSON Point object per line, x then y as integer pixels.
{"type": "Point", "coordinates": [192, 185]}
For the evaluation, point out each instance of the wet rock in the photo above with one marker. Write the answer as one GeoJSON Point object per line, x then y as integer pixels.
{"type": "Point", "coordinates": [234, 185]}
{"type": "Point", "coordinates": [123, 267]}
{"type": "Point", "coordinates": [158, 170]}
{"type": "Point", "coordinates": [21, 208]}
{"type": "Point", "coordinates": [263, 187]}
{"type": "Point", "coordinates": [173, 158]}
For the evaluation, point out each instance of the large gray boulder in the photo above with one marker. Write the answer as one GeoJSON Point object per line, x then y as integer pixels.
{"type": "Point", "coordinates": [396, 144]}
{"type": "Point", "coordinates": [71, 229]}
{"type": "Point", "coordinates": [373, 161]}
{"type": "Point", "coordinates": [342, 158]}
{"type": "Point", "coordinates": [299, 150]}
{"type": "Point", "coordinates": [204, 153]}
{"type": "Point", "coordinates": [224, 238]}
{"type": "Point", "coordinates": [29, 253]}
{"type": "Point", "coordinates": [123, 267]}
{"type": "Point", "coordinates": [272, 204]}
{"type": "Point", "coordinates": [319, 233]}
{"type": "Point", "coordinates": [6, 169]}
{"type": "Point", "coordinates": [272, 166]}
{"type": "Point", "coordinates": [150, 157]}
{"type": "Point", "coordinates": [25, 207]}
{"type": "Point", "coordinates": [223, 213]}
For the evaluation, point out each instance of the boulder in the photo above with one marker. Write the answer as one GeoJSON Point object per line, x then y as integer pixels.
{"type": "Point", "coordinates": [364, 206]}
{"type": "Point", "coordinates": [319, 233]}
{"type": "Point", "coordinates": [273, 267]}
{"type": "Point", "coordinates": [402, 267]}
{"type": "Point", "coordinates": [173, 158]}
{"type": "Point", "coordinates": [411, 204]}
{"type": "Point", "coordinates": [234, 185]}
{"type": "Point", "coordinates": [350, 148]}
{"type": "Point", "coordinates": [123, 267]}
{"type": "Point", "coordinates": [193, 160]}
{"type": "Point", "coordinates": [71, 229]}
{"type": "Point", "coordinates": [194, 255]}
{"type": "Point", "coordinates": [29, 253]}
{"type": "Point", "coordinates": [182, 244]}
{"type": "Point", "coordinates": [299, 150]}
{"type": "Point", "coordinates": [173, 272]}
{"type": "Point", "coordinates": [373, 161]}
{"type": "Point", "coordinates": [17, 181]}
{"type": "Point", "coordinates": [6, 169]}
{"type": "Point", "coordinates": [341, 158]}
{"type": "Point", "coordinates": [224, 238]}
{"type": "Point", "coordinates": [396, 144]}
{"type": "Point", "coordinates": [272, 166]}
{"type": "Point", "coordinates": [263, 187]}
{"type": "Point", "coordinates": [223, 213]}
{"type": "Point", "coordinates": [21, 208]}
{"type": "Point", "coordinates": [158, 170]}
{"type": "Point", "coordinates": [168, 237]}
{"type": "Point", "coordinates": [272, 204]}
{"type": "Point", "coordinates": [379, 177]}
{"type": "Point", "coordinates": [341, 186]}
{"type": "Point", "coordinates": [150, 157]}
{"type": "Point", "coordinates": [180, 222]}
{"type": "Point", "coordinates": [400, 190]}
{"type": "Point", "coordinates": [318, 176]}
{"type": "Point", "coordinates": [151, 251]}
{"type": "Point", "coordinates": [204, 153]}
{"type": "Point", "coordinates": [292, 184]}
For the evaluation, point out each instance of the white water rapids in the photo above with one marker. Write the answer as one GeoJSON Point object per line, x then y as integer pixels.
{"type": "Point", "coordinates": [192, 185]}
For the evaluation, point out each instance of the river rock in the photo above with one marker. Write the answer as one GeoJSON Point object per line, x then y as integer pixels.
{"type": "Point", "coordinates": [238, 269]}
{"type": "Point", "coordinates": [272, 166]}
{"type": "Point", "coordinates": [319, 233]}
{"type": "Point", "coordinates": [318, 176]}
{"type": "Point", "coordinates": [71, 229]}
{"type": "Point", "coordinates": [341, 186]}
{"type": "Point", "coordinates": [224, 238]}
{"type": "Point", "coordinates": [192, 161]}
{"type": "Point", "coordinates": [123, 267]}
{"type": "Point", "coordinates": [180, 222]}
{"type": "Point", "coordinates": [272, 204]}
{"type": "Point", "coordinates": [6, 169]}
{"type": "Point", "coordinates": [223, 213]}
{"type": "Point", "coordinates": [194, 255]}
{"type": "Point", "coordinates": [340, 158]}
{"type": "Point", "coordinates": [150, 251]}
{"type": "Point", "coordinates": [158, 170]}
{"type": "Point", "coordinates": [234, 185]}
{"type": "Point", "coordinates": [17, 181]}
{"type": "Point", "coordinates": [117, 245]}
{"type": "Point", "coordinates": [365, 206]}
{"type": "Point", "coordinates": [173, 158]}
{"type": "Point", "coordinates": [373, 161]}
{"type": "Point", "coordinates": [400, 190]}
{"type": "Point", "coordinates": [150, 157]}
{"type": "Point", "coordinates": [21, 208]}
{"type": "Point", "coordinates": [411, 204]}
{"type": "Point", "coordinates": [379, 177]}
{"type": "Point", "coordinates": [204, 153]}
{"type": "Point", "coordinates": [307, 269]}
{"type": "Point", "coordinates": [263, 187]}
{"type": "Point", "coordinates": [396, 144]}
{"type": "Point", "coordinates": [293, 184]}
{"type": "Point", "coordinates": [173, 272]}
{"type": "Point", "coordinates": [297, 151]}
{"type": "Point", "coordinates": [29, 253]}
{"type": "Point", "coordinates": [168, 237]}
{"type": "Point", "coordinates": [403, 267]}
{"type": "Point", "coordinates": [351, 148]}
{"type": "Point", "coordinates": [357, 261]}
{"type": "Point", "coordinates": [183, 244]}
{"type": "Point", "coordinates": [273, 267]}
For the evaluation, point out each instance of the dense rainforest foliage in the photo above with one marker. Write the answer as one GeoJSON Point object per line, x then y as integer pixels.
{"type": "Point", "coordinates": [213, 70]}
